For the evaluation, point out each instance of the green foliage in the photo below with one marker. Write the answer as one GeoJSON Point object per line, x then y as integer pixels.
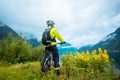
{"type": "Point", "coordinates": [15, 49]}
{"type": "Point", "coordinates": [28, 71]}
{"type": "Point", "coordinates": [38, 53]}
{"type": "Point", "coordinates": [32, 71]}
{"type": "Point", "coordinates": [76, 66]}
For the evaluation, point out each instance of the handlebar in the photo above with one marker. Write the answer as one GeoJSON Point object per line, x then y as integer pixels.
{"type": "Point", "coordinates": [55, 43]}
{"type": "Point", "coordinates": [60, 42]}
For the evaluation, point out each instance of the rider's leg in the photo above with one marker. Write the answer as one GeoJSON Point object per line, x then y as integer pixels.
{"type": "Point", "coordinates": [43, 61]}
{"type": "Point", "coordinates": [56, 59]}
{"type": "Point", "coordinates": [55, 56]}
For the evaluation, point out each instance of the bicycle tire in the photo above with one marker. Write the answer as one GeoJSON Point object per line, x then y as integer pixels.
{"type": "Point", "coordinates": [45, 64]}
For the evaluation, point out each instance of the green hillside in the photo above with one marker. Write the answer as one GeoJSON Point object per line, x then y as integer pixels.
{"type": "Point", "coordinates": [77, 66]}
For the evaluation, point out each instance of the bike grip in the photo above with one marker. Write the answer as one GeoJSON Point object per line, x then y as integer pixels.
{"type": "Point", "coordinates": [63, 42]}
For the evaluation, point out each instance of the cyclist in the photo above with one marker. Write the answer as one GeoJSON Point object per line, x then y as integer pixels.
{"type": "Point", "coordinates": [54, 34]}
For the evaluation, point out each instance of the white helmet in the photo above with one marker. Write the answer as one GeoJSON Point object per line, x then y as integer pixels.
{"type": "Point", "coordinates": [50, 22]}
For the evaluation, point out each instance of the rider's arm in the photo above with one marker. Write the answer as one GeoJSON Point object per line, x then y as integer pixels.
{"type": "Point", "coordinates": [57, 35]}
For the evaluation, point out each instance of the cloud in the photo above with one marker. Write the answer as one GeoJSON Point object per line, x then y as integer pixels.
{"type": "Point", "coordinates": [80, 22]}
{"type": "Point", "coordinates": [84, 39]}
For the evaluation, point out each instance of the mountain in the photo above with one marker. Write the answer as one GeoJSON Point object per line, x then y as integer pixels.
{"type": "Point", "coordinates": [5, 30]}
{"type": "Point", "coordinates": [111, 42]}
{"type": "Point", "coordinates": [84, 48]}
{"type": "Point", "coordinates": [30, 38]}
{"type": "Point", "coordinates": [34, 42]}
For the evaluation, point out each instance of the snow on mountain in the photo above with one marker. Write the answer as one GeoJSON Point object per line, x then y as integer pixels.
{"type": "Point", "coordinates": [110, 37]}
{"type": "Point", "coordinates": [111, 42]}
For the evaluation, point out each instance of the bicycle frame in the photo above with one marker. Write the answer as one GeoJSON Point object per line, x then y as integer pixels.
{"type": "Point", "coordinates": [47, 60]}
{"type": "Point", "coordinates": [49, 57]}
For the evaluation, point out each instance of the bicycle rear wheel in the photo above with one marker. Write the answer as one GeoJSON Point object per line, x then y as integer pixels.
{"type": "Point", "coordinates": [45, 64]}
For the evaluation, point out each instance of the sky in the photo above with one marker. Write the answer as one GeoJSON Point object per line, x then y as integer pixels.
{"type": "Point", "coordinates": [80, 22]}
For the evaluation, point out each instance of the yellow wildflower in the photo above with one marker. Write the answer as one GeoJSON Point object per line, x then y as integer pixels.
{"type": "Point", "coordinates": [78, 55]}
{"type": "Point", "coordinates": [88, 55]}
{"type": "Point", "coordinates": [83, 56]}
{"type": "Point", "coordinates": [100, 50]}
{"type": "Point", "coordinates": [93, 52]}
{"type": "Point", "coordinates": [106, 56]}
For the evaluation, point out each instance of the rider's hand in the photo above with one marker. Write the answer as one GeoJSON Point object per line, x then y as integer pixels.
{"type": "Point", "coordinates": [53, 43]}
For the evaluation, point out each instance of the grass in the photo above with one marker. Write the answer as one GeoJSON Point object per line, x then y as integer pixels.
{"type": "Point", "coordinates": [78, 66]}
{"type": "Point", "coordinates": [32, 71]}
{"type": "Point", "coordinates": [27, 71]}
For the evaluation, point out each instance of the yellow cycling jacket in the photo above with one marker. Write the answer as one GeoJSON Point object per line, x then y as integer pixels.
{"type": "Point", "coordinates": [55, 34]}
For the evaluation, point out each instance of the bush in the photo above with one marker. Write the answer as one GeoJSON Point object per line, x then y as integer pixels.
{"type": "Point", "coordinates": [38, 53]}
{"type": "Point", "coordinates": [87, 66]}
{"type": "Point", "coordinates": [15, 49]}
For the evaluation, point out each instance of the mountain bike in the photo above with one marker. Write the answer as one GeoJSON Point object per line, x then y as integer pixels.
{"type": "Point", "coordinates": [47, 60]}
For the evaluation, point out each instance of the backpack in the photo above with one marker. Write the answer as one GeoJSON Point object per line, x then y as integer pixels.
{"type": "Point", "coordinates": [46, 37]}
